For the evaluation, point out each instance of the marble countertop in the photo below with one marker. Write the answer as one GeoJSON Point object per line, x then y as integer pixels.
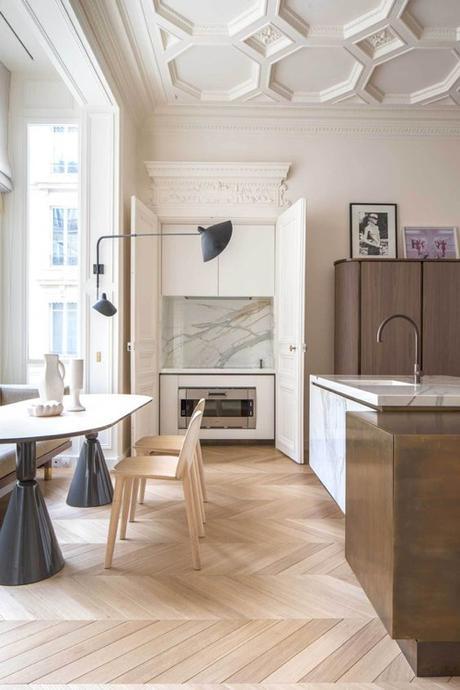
{"type": "Point", "coordinates": [394, 391]}
{"type": "Point", "coordinates": [220, 370]}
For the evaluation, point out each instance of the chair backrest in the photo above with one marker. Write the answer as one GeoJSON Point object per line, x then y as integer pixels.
{"type": "Point", "coordinates": [199, 407]}
{"type": "Point", "coordinates": [188, 449]}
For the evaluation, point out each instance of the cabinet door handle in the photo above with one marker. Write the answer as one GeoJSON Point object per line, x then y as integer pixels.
{"type": "Point", "coordinates": [292, 348]}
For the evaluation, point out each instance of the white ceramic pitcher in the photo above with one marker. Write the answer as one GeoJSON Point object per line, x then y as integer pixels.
{"type": "Point", "coordinates": [51, 386]}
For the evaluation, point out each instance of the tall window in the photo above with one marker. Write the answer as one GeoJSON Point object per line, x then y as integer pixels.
{"type": "Point", "coordinates": [65, 150]}
{"type": "Point", "coordinates": [53, 244]}
{"type": "Point", "coordinates": [65, 237]}
{"type": "Point", "coordinates": [64, 328]}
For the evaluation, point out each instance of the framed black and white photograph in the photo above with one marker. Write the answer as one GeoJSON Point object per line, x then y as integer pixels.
{"type": "Point", "coordinates": [430, 243]}
{"type": "Point", "coordinates": [373, 231]}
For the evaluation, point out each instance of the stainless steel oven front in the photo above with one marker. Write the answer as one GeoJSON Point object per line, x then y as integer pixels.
{"type": "Point", "coordinates": [226, 408]}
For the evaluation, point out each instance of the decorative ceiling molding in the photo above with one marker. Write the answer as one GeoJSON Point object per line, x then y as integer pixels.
{"type": "Point", "coordinates": [239, 189]}
{"type": "Point", "coordinates": [179, 52]}
{"type": "Point", "coordinates": [408, 122]}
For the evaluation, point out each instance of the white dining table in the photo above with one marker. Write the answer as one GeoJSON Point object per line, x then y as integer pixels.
{"type": "Point", "coordinates": [29, 550]}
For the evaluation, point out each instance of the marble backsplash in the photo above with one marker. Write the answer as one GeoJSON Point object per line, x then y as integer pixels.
{"type": "Point", "coordinates": [217, 333]}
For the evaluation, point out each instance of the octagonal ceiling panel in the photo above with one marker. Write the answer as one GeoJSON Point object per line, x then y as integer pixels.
{"type": "Point", "coordinates": [414, 71]}
{"type": "Point", "coordinates": [214, 72]}
{"type": "Point", "coordinates": [435, 13]}
{"type": "Point", "coordinates": [316, 73]}
{"type": "Point", "coordinates": [211, 16]}
{"type": "Point", "coordinates": [330, 12]}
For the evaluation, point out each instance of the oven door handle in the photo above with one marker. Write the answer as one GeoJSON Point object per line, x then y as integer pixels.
{"type": "Point", "coordinates": [211, 393]}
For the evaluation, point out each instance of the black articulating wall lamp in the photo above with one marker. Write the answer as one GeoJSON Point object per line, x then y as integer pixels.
{"type": "Point", "coordinates": [213, 242]}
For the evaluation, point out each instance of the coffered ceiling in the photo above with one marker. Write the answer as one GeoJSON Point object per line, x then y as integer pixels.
{"type": "Point", "coordinates": [382, 53]}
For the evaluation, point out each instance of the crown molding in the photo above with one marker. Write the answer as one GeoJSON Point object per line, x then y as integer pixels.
{"type": "Point", "coordinates": [180, 188]}
{"type": "Point", "coordinates": [342, 121]}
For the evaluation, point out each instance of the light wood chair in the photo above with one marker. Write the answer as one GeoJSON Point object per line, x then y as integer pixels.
{"type": "Point", "coordinates": [165, 445]}
{"type": "Point", "coordinates": [182, 467]}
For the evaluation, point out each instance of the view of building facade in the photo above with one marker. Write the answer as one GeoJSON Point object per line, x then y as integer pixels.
{"type": "Point", "coordinates": [53, 243]}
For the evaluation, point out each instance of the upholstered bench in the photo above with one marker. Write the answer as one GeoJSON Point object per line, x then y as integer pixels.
{"type": "Point", "coordinates": [46, 450]}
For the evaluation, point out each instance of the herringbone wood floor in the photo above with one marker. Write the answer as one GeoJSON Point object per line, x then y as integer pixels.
{"type": "Point", "coordinates": [275, 605]}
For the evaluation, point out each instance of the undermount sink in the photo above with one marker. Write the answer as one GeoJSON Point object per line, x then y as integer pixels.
{"type": "Point", "coordinates": [375, 382]}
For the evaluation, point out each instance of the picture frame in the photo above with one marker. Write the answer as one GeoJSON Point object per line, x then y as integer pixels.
{"type": "Point", "coordinates": [373, 231]}
{"type": "Point", "coordinates": [432, 242]}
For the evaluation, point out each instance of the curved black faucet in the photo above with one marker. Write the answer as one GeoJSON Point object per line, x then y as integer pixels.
{"type": "Point", "coordinates": [417, 366]}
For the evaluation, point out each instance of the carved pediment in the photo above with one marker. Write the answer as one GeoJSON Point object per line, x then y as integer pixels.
{"type": "Point", "coordinates": [180, 188]}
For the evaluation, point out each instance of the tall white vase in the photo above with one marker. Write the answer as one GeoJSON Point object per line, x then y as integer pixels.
{"type": "Point", "coordinates": [76, 385]}
{"type": "Point", "coordinates": [51, 386]}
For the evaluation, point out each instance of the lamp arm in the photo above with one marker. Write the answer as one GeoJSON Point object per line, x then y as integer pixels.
{"type": "Point", "coordinates": [98, 267]}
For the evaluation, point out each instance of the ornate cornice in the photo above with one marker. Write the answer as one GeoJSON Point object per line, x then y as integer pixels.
{"type": "Point", "coordinates": [180, 188]}
{"type": "Point", "coordinates": [416, 123]}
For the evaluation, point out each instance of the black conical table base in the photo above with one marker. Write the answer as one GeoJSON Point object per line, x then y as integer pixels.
{"type": "Point", "coordinates": [91, 484]}
{"type": "Point", "coordinates": [28, 546]}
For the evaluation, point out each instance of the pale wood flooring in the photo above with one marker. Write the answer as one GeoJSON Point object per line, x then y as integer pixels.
{"type": "Point", "coordinates": [275, 605]}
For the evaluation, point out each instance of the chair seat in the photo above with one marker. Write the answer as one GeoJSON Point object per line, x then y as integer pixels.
{"type": "Point", "coordinates": [148, 467]}
{"type": "Point", "coordinates": [158, 444]}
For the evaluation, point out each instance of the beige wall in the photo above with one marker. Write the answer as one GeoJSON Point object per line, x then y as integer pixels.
{"type": "Point", "coordinates": [420, 174]}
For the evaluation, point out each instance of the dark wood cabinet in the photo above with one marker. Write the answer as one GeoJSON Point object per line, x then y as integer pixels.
{"type": "Point", "coordinates": [389, 288]}
{"type": "Point", "coordinates": [367, 291]}
{"type": "Point", "coordinates": [441, 318]}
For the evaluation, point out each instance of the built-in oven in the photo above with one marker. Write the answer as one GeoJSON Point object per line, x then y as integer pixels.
{"type": "Point", "coordinates": [226, 408]}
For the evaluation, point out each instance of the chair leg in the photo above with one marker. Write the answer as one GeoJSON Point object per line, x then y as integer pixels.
{"type": "Point", "coordinates": [201, 472]}
{"type": "Point", "coordinates": [198, 499]}
{"type": "Point", "coordinates": [113, 525]}
{"type": "Point", "coordinates": [142, 490]}
{"type": "Point", "coordinates": [192, 520]}
{"type": "Point", "coordinates": [134, 493]}
{"type": "Point", "coordinates": [126, 504]}
{"type": "Point", "coordinates": [48, 471]}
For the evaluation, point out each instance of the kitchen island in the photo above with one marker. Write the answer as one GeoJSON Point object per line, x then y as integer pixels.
{"type": "Point", "coordinates": [402, 537]}
{"type": "Point", "coordinates": [331, 397]}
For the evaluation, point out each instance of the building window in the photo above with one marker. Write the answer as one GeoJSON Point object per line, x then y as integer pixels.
{"type": "Point", "coordinates": [65, 237]}
{"type": "Point", "coordinates": [54, 245]}
{"type": "Point", "coordinates": [65, 150]}
{"type": "Point", "coordinates": [64, 328]}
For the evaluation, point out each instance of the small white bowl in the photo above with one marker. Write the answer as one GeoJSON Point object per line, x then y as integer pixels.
{"type": "Point", "coordinates": [50, 408]}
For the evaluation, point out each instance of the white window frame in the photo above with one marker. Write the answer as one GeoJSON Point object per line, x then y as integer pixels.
{"type": "Point", "coordinates": [66, 210]}
{"type": "Point", "coordinates": [84, 307]}
{"type": "Point", "coordinates": [65, 173]}
{"type": "Point", "coordinates": [65, 327]}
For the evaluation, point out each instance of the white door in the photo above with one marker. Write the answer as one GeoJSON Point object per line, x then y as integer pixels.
{"type": "Point", "coordinates": [290, 330]}
{"type": "Point", "coordinates": [145, 290]}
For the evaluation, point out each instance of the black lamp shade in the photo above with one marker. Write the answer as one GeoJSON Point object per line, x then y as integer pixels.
{"type": "Point", "coordinates": [104, 306]}
{"type": "Point", "coordinates": [214, 239]}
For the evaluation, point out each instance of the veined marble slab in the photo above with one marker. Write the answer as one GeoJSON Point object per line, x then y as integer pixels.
{"type": "Point", "coordinates": [328, 438]}
{"type": "Point", "coordinates": [331, 397]}
{"type": "Point", "coordinates": [217, 333]}
{"type": "Point", "coordinates": [394, 391]}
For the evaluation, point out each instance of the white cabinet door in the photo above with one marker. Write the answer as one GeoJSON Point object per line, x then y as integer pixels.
{"type": "Point", "coordinates": [290, 330]}
{"type": "Point", "coordinates": [183, 270]}
{"type": "Point", "coordinates": [145, 334]}
{"type": "Point", "coordinates": [247, 264]}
